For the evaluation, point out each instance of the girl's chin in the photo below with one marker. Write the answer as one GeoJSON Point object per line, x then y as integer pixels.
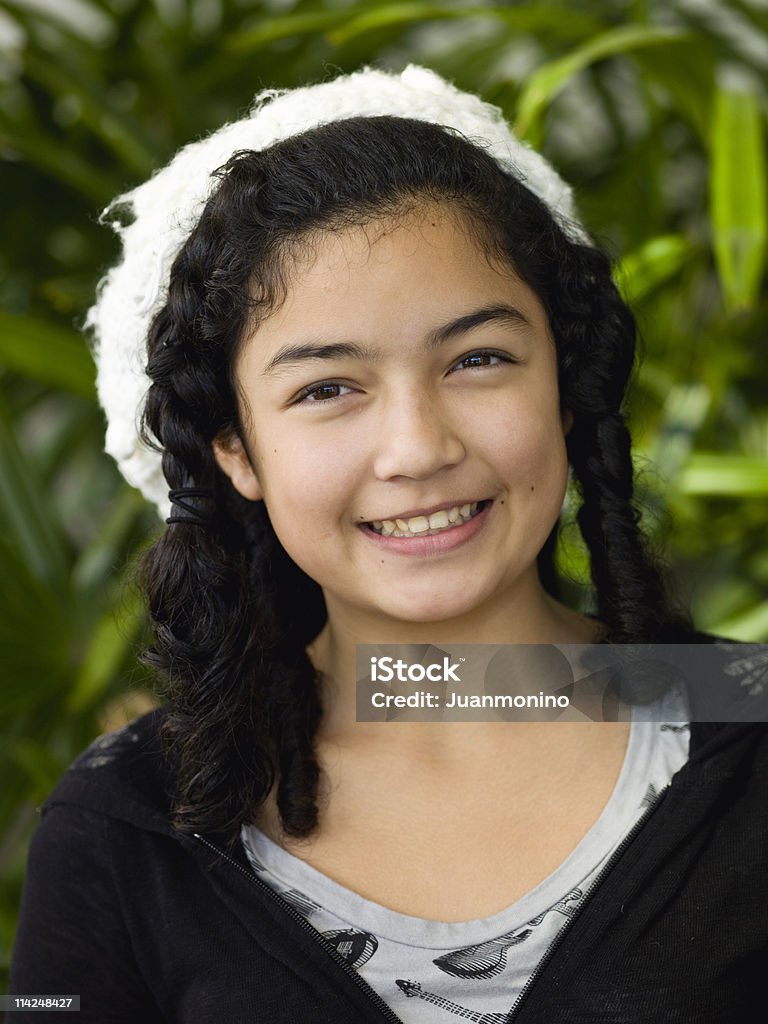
{"type": "Point", "coordinates": [402, 611]}
{"type": "Point", "coordinates": [428, 612]}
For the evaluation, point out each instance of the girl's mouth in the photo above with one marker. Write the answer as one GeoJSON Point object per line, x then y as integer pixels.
{"type": "Point", "coordinates": [428, 526]}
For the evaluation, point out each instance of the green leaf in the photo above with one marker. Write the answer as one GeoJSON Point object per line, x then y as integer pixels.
{"type": "Point", "coordinates": [390, 15]}
{"type": "Point", "coordinates": [548, 20]}
{"type": "Point", "coordinates": [758, 17]}
{"type": "Point", "coordinates": [110, 643]}
{"type": "Point", "coordinates": [38, 763]}
{"type": "Point", "coordinates": [49, 354]}
{"type": "Point", "coordinates": [35, 639]}
{"type": "Point", "coordinates": [738, 196]}
{"type": "Point", "coordinates": [59, 162]}
{"type": "Point", "coordinates": [572, 556]}
{"type": "Point", "coordinates": [27, 512]}
{"type": "Point", "coordinates": [686, 73]}
{"type": "Point", "coordinates": [544, 20]}
{"type": "Point", "coordinates": [63, 19]}
{"type": "Point", "coordinates": [62, 77]}
{"type": "Point", "coordinates": [684, 412]}
{"type": "Point", "coordinates": [727, 475]}
{"type": "Point", "coordinates": [286, 26]}
{"type": "Point", "coordinates": [751, 625]}
{"type": "Point", "coordinates": [653, 264]}
{"type": "Point", "coordinates": [97, 562]}
{"type": "Point", "coordinates": [549, 79]}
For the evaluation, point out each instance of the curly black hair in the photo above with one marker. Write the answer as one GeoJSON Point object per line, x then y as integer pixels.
{"type": "Point", "coordinates": [232, 612]}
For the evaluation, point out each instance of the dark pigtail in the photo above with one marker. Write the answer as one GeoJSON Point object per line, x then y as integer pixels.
{"type": "Point", "coordinates": [631, 597]}
{"type": "Point", "coordinates": [243, 700]}
{"type": "Point", "coordinates": [597, 351]}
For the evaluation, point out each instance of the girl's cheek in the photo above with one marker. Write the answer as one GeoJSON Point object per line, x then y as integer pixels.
{"type": "Point", "coordinates": [531, 446]}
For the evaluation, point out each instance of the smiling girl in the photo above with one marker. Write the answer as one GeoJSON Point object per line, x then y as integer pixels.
{"type": "Point", "coordinates": [427, 374]}
{"type": "Point", "coordinates": [376, 341]}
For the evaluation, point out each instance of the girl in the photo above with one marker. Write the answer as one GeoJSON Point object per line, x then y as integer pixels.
{"type": "Point", "coordinates": [375, 345]}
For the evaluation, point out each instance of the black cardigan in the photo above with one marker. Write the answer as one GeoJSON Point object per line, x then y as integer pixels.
{"type": "Point", "coordinates": [150, 926]}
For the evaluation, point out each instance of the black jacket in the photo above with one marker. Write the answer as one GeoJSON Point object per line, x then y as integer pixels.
{"type": "Point", "coordinates": [147, 925]}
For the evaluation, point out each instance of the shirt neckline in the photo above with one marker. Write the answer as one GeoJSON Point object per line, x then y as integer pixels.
{"type": "Point", "coordinates": [563, 882]}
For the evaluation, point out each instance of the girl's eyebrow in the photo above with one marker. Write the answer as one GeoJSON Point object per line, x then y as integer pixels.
{"type": "Point", "coordinates": [488, 314]}
{"type": "Point", "coordinates": [439, 335]}
{"type": "Point", "coordinates": [319, 350]}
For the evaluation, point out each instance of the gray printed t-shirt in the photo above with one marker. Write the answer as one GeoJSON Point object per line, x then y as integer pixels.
{"type": "Point", "coordinates": [437, 972]}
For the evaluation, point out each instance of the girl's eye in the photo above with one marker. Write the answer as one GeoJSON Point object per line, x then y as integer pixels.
{"type": "Point", "coordinates": [317, 394]}
{"type": "Point", "coordinates": [479, 360]}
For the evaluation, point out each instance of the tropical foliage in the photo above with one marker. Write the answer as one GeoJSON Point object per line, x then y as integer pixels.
{"type": "Point", "coordinates": [654, 109]}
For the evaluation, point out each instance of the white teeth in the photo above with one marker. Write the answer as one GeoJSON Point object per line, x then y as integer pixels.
{"type": "Point", "coordinates": [438, 520]}
{"type": "Point", "coordinates": [420, 525]}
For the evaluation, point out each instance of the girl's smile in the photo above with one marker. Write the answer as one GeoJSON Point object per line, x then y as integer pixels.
{"type": "Point", "coordinates": [426, 534]}
{"type": "Point", "coordinates": [403, 424]}
{"type": "Point", "coordinates": [426, 521]}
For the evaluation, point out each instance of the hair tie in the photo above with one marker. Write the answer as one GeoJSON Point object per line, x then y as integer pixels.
{"type": "Point", "coordinates": [193, 516]}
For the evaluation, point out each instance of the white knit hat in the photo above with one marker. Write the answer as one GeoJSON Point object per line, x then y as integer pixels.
{"type": "Point", "coordinates": [166, 208]}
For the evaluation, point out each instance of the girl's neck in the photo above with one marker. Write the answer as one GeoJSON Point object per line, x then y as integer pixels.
{"type": "Point", "coordinates": [537, 619]}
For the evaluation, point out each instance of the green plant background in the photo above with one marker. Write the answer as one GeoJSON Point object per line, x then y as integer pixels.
{"type": "Point", "coordinates": [653, 110]}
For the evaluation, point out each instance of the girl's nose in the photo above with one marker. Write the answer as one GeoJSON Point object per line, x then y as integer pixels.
{"type": "Point", "coordinates": [416, 439]}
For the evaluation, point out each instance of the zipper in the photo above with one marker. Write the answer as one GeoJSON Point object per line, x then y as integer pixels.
{"type": "Point", "coordinates": [363, 985]}
{"type": "Point", "coordinates": [385, 1010]}
{"type": "Point", "coordinates": [558, 939]}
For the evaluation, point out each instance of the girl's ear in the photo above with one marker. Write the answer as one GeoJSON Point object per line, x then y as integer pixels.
{"type": "Point", "coordinates": [229, 452]}
{"type": "Point", "coordinates": [566, 418]}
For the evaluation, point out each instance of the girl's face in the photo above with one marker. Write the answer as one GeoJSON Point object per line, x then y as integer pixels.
{"type": "Point", "coordinates": [402, 423]}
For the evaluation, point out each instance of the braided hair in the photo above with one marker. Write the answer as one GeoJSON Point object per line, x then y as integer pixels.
{"type": "Point", "coordinates": [232, 612]}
